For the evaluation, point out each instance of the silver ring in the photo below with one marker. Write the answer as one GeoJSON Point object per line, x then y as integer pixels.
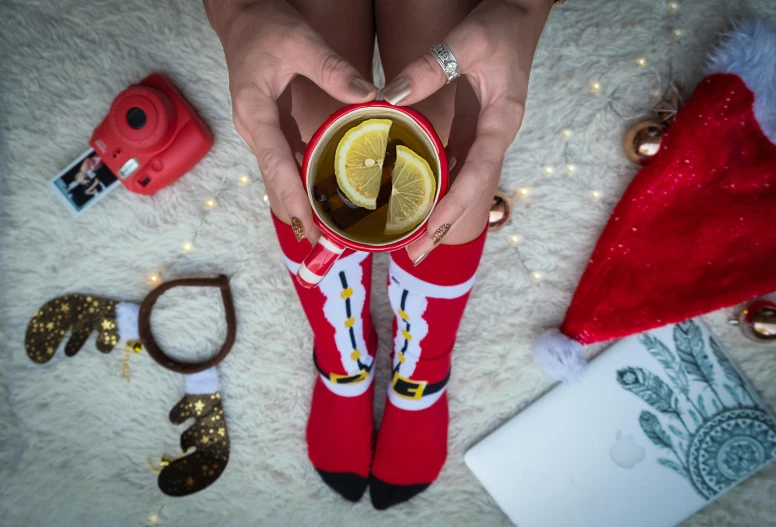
{"type": "Point", "coordinates": [444, 56]}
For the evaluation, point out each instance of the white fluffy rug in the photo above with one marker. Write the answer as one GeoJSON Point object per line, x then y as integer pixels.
{"type": "Point", "coordinates": [75, 436]}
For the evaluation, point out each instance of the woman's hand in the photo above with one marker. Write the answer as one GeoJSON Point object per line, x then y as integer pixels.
{"type": "Point", "coordinates": [266, 44]}
{"type": "Point", "coordinates": [494, 47]}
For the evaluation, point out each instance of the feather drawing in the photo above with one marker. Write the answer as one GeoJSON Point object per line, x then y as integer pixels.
{"type": "Point", "coordinates": [733, 394]}
{"type": "Point", "coordinates": [691, 350]}
{"type": "Point", "coordinates": [679, 433]}
{"type": "Point", "coordinates": [649, 387]}
{"type": "Point", "coordinates": [724, 362]}
{"type": "Point", "coordinates": [672, 465]}
{"type": "Point", "coordinates": [702, 407]}
{"type": "Point", "coordinates": [694, 418]}
{"type": "Point", "coordinates": [663, 355]}
{"type": "Point", "coordinates": [651, 426]}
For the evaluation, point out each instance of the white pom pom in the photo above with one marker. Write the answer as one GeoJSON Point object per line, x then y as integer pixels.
{"type": "Point", "coordinates": [559, 356]}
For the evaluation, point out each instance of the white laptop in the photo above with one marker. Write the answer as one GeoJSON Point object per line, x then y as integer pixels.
{"type": "Point", "coordinates": [661, 425]}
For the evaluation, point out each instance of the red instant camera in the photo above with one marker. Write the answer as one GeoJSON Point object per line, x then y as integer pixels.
{"type": "Point", "coordinates": [151, 136]}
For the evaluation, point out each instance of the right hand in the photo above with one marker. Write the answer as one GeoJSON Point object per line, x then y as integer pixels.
{"type": "Point", "coordinates": [266, 44]}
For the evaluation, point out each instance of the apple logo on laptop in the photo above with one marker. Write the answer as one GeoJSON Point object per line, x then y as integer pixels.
{"type": "Point", "coordinates": [625, 452]}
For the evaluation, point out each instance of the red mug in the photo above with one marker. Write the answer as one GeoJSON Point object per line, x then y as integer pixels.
{"type": "Point", "coordinates": [334, 241]}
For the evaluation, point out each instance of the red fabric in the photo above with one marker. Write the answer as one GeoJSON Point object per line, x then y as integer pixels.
{"type": "Point", "coordinates": [694, 232]}
{"type": "Point", "coordinates": [412, 444]}
{"type": "Point", "coordinates": [340, 429]}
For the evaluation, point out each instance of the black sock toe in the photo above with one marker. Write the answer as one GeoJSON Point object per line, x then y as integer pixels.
{"type": "Point", "coordinates": [351, 486]}
{"type": "Point", "coordinates": [386, 495]}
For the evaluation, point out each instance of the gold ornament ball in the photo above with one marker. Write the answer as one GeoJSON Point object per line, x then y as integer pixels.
{"type": "Point", "coordinates": [500, 212]}
{"type": "Point", "coordinates": [642, 141]}
{"type": "Point", "coordinates": [758, 321]}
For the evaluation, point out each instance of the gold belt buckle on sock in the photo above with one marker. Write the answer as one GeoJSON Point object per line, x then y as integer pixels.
{"type": "Point", "coordinates": [407, 388]}
{"type": "Point", "coordinates": [359, 377]}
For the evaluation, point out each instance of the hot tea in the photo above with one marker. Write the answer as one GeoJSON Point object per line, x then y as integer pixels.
{"type": "Point", "coordinates": [369, 223]}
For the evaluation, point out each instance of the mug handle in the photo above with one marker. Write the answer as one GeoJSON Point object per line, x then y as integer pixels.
{"type": "Point", "coordinates": [318, 262]}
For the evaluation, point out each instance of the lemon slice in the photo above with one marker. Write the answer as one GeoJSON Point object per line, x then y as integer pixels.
{"type": "Point", "coordinates": [358, 163]}
{"type": "Point", "coordinates": [412, 192]}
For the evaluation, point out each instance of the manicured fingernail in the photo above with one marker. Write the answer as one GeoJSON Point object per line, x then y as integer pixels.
{"type": "Point", "coordinates": [440, 234]}
{"type": "Point", "coordinates": [360, 88]}
{"type": "Point", "coordinates": [396, 91]}
{"type": "Point", "coordinates": [298, 228]}
{"type": "Point", "coordinates": [420, 258]}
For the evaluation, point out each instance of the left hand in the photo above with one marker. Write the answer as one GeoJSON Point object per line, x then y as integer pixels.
{"type": "Point", "coordinates": [494, 47]}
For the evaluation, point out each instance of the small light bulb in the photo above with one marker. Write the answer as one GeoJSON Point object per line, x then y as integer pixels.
{"type": "Point", "coordinates": [570, 169]}
{"type": "Point", "coordinates": [537, 276]}
{"type": "Point", "coordinates": [210, 203]}
{"type": "Point", "coordinates": [677, 33]}
{"type": "Point", "coordinates": [244, 179]}
{"type": "Point", "coordinates": [595, 86]}
{"type": "Point", "coordinates": [154, 278]}
{"type": "Point", "coordinates": [187, 247]}
{"type": "Point", "coordinates": [523, 192]}
{"type": "Point", "coordinates": [548, 171]}
{"type": "Point", "coordinates": [266, 198]}
{"type": "Point", "coordinates": [673, 7]}
{"type": "Point", "coordinates": [657, 94]}
{"type": "Point", "coordinates": [153, 519]}
{"type": "Point", "coordinates": [596, 195]}
{"type": "Point", "coordinates": [513, 240]}
{"type": "Point", "coordinates": [566, 133]}
{"type": "Point", "coordinates": [641, 61]}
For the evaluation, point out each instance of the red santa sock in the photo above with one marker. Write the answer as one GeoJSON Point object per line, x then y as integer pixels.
{"type": "Point", "coordinates": [340, 428]}
{"type": "Point", "coordinates": [428, 302]}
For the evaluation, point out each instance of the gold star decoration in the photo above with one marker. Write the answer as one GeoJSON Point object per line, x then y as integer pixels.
{"type": "Point", "coordinates": [190, 481]}
{"type": "Point", "coordinates": [107, 324]}
{"type": "Point", "coordinates": [205, 440]}
{"type": "Point", "coordinates": [50, 350]}
{"type": "Point", "coordinates": [65, 308]}
{"type": "Point", "coordinates": [50, 325]}
{"type": "Point", "coordinates": [199, 406]}
{"type": "Point", "coordinates": [221, 432]}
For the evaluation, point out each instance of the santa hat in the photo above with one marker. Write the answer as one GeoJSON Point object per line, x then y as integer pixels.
{"type": "Point", "coordinates": [696, 229]}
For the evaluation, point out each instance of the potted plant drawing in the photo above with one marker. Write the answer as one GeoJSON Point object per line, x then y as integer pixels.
{"type": "Point", "coordinates": [706, 418]}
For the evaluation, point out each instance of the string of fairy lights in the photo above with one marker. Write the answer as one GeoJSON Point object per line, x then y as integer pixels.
{"type": "Point", "coordinates": [522, 193]}
{"type": "Point", "coordinates": [570, 168]}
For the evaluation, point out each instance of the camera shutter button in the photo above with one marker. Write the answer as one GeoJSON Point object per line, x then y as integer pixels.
{"type": "Point", "coordinates": [157, 165]}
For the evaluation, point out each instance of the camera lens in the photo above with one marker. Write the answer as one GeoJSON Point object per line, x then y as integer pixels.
{"type": "Point", "coordinates": [136, 118]}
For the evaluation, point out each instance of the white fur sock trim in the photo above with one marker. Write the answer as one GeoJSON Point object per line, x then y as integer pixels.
{"type": "Point", "coordinates": [126, 320]}
{"type": "Point", "coordinates": [559, 356]}
{"type": "Point", "coordinates": [414, 404]}
{"type": "Point", "coordinates": [203, 382]}
{"type": "Point", "coordinates": [349, 390]}
{"type": "Point", "coordinates": [420, 287]}
{"type": "Point", "coordinates": [749, 51]}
